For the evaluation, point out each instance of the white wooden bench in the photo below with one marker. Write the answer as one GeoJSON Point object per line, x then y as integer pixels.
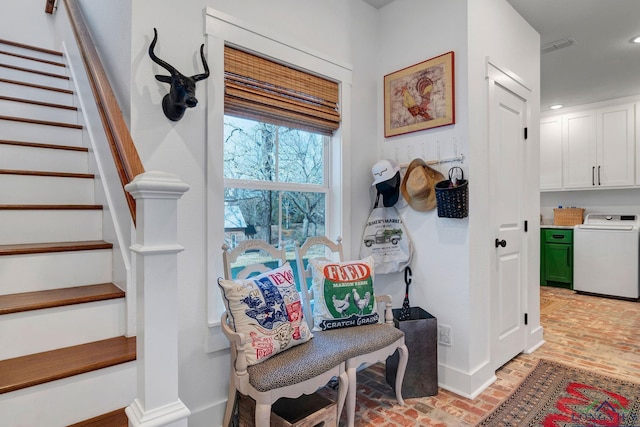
{"type": "Point", "coordinates": [306, 367]}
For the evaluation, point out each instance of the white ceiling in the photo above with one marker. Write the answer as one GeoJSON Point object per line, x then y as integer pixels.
{"type": "Point", "coordinates": [601, 65]}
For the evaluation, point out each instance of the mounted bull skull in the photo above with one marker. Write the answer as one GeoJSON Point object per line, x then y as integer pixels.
{"type": "Point", "coordinates": [182, 94]}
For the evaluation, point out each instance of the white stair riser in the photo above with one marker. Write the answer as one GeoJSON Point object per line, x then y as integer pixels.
{"type": "Point", "coordinates": [16, 157]}
{"type": "Point", "coordinates": [36, 94]}
{"type": "Point", "coordinates": [70, 400]}
{"type": "Point", "coordinates": [30, 52]}
{"type": "Point", "coordinates": [28, 189]}
{"type": "Point", "coordinates": [43, 330]}
{"type": "Point", "coordinates": [39, 79]}
{"type": "Point", "coordinates": [31, 64]}
{"type": "Point", "coordinates": [39, 272]}
{"type": "Point", "coordinates": [35, 226]}
{"type": "Point", "coordinates": [37, 112]}
{"type": "Point", "coordinates": [45, 134]}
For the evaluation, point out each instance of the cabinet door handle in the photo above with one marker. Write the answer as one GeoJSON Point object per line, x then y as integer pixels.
{"type": "Point", "coordinates": [598, 175]}
{"type": "Point", "coordinates": [593, 175]}
{"type": "Point", "coordinates": [558, 236]}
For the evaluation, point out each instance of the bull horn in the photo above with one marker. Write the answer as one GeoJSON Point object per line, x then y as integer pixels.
{"type": "Point", "coordinates": [157, 60]}
{"type": "Point", "coordinates": [204, 75]}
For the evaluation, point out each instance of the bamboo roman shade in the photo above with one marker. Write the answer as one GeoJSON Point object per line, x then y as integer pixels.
{"type": "Point", "coordinates": [259, 89]}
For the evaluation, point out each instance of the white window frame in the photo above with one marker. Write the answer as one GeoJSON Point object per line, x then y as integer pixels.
{"type": "Point", "coordinates": [222, 29]}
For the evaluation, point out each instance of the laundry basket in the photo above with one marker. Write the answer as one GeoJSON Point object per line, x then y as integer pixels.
{"type": "Point", "coordinates": [452, 195]}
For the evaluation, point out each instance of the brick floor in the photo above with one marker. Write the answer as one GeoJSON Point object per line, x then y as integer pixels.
{"type": "Point", "coordinates": [596, 334]}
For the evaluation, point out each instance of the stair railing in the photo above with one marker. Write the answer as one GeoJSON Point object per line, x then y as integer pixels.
{"type": "Point", "coordinates": [154, 248]}
{"type": "Point", "coordinates": [123, 149]}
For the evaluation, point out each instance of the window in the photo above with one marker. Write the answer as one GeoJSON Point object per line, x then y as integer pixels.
{"type": "Point", "coordinates": [275, 182]}
{"type": "Point", "coordinates": [277, 130]}
{"type": "Point", "coordinates": [223, 31]}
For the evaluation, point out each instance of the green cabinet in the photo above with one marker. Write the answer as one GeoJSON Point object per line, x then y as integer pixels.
{"type": "Point", "coordinates": [556, 257]}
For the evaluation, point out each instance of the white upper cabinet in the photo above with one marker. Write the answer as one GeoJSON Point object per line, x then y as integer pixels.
{"type": "Point", "coordinates": [598, 149]}
{"type": "Point", "coordinates": [579, 149]}
{"type": "Point", "coordinates": [616, 146]}
{"type": "Point", "coordinates": [551, 153]}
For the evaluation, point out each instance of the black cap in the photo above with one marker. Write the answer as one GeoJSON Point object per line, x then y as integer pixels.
{"type": "Point", "coordinates": [390, 190]}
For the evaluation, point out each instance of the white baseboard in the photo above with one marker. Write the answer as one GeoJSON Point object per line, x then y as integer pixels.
{"type": "Point", "coordinates": [535, 340]}
{"type": "Point", "coordinates": [466, 384]}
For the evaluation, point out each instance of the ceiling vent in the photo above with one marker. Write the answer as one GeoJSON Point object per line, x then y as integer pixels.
{"type": "Point", "coordinates": [558, 44]}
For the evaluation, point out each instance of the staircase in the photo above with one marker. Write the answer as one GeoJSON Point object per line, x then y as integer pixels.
{"type": "Point", "coordinates": [64, 358]}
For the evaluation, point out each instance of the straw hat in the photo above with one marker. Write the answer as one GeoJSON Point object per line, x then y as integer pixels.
{"type": "Point", "coordinates": [418, 185]}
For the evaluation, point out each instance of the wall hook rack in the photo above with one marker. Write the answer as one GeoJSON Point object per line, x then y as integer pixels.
{"type": "Point", "coordinates": [459, 159]}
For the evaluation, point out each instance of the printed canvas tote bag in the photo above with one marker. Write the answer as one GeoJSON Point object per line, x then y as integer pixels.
{"type": "Point", "coordinates": [386, 239]}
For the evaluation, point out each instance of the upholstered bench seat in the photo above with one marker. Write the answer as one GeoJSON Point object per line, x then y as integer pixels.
{"type": "Point", "coordinates": [324, 351]}
{"type": "Point", "coordinates": [359, 340]}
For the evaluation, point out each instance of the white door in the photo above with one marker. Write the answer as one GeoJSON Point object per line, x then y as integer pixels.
{"type": "Point", "coordinates": [507, 116]}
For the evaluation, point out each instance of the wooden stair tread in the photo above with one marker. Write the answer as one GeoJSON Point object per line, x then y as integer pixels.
{"type": "Point", "coordinates": [54, 89]}
{"type": "Point", "coordinates": [46, 173]}
{"type": "Point", "coordinates": [30, 47]}
{"type": "Point", "coordinates": [38, 300]}
{"type": "Point", "coordinates": [117, 418]}
{"type": "Point", "coordinates": [41, 73]}
{"type": "Point", "coordinates": [41, 122]}
{"type": "Point", "coordinates": [39, 103]}
{"type": "Point", "coordinates": [39, 368]}
{"type": "Point", "coordinates": [41, 145]}
{"type": "Point", "coordinates": [39, 248]}
{"type": "Point", "coordinates": [32, 58]}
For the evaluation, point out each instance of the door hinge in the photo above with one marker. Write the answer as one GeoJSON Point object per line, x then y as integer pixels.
{"type": "Point", "coordinates": [525, 133]}
{"type": "Point", "coordinates": [526, 226]}
{"type": "Point", "coordinates": [526, 318]}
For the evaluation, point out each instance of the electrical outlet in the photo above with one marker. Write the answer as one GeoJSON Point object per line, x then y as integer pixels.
{"type": "Point", "coordinates": [444, 335]}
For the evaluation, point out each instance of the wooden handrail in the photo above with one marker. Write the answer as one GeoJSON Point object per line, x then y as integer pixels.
{"type": "Point", "coordinates": [49, 6]}
{"type": "Point", "coordinates": [122, 147]}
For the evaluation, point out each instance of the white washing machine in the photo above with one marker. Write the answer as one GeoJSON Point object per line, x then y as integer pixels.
{"type": "Point", "coordinates": [606, 252]}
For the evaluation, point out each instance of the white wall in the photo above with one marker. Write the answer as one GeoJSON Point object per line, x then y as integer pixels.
{"type": "Point", "coordinates": [338, 29]}
{"type": "Point", "coordinates": [451, 262]}
{"type": "Point", "coordinates": [452, 257]}
{"type": "Point", "coordinates": [110, 23]}
{"type": "Point", "coordinates": [16, 13]}
{"type": "Point", "coordinates": [496, 31]}
{"type": "Point", "coordinates": [412, 31]}
{"type": "Point", "coordinates": [609, 201]}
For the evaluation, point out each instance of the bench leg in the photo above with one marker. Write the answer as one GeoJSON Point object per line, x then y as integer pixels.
{"type": "Point", "coordinates": [351, 397]}
{"type": "Point", "coordinates": [402, 366]}
{"type": "Point", "coordinates": [231, 401]}
{"type": "Point", "coordinates": [263, 414]}
{"type": "Point", "coordinates": [342, 392]}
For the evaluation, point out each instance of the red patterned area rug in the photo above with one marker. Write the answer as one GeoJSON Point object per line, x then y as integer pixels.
{"type": "Point", "coordinates": [557, 395]}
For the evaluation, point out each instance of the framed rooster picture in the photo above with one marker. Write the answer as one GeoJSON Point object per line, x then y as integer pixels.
{"type": "Point", "coordinates": [420, 96]}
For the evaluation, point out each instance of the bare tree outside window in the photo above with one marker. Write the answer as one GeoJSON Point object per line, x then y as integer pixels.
{"type": "Point", "coordinates": [275, 182]}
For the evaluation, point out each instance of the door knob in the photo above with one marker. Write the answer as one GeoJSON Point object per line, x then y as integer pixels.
{"type": "Point", "coordinates": [502, 243]}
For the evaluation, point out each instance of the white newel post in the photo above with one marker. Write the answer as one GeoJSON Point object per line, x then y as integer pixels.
{"type": "Point", "coordinates": [155, 254]}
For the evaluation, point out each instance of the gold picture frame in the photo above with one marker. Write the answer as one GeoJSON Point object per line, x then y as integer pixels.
{"type": "Point", "coordinates": [420, 97]}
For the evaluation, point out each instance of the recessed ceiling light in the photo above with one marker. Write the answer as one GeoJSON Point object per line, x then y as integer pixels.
{"type": "Point", "coordinates": [635, 40]}
{"type": "Point", "coordinates": [555, 107]}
